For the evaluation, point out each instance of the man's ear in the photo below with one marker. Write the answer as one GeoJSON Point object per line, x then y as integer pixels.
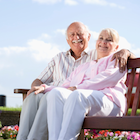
{"type": "Point", "coordinates": [89, 35]}
{"type": "Point", "coordinates": [67, 41]}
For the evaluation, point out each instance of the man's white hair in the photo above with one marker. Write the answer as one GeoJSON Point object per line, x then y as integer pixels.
{"type": "Point", "coordinates": [86, 28]}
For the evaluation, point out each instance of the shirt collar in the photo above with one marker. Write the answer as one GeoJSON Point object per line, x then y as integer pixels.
{"type": "Point", "coordinates": [86, 51]}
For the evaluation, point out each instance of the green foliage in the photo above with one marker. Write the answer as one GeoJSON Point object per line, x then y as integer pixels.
{"type": "Point", "coordinates": [129, 111]}
{"type": "Point", "coordinates": [0, 124]}
{"type": "Point", "coordinates": [10, 108]}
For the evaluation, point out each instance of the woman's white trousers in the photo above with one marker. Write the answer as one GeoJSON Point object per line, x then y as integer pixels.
{"type": "Point", "coordinates": [66, 110]}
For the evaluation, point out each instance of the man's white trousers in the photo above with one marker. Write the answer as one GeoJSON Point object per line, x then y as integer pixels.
{"type": "Point", "coordinates": [33, 120]}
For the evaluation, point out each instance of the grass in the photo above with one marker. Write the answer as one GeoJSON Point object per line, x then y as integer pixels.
{"type": "Point", "coordinates": [19, 109]}
{"type": "Point", "coordinates": [7, 139]}
{"type": "Point", "coordinates": [129, 111]}
{"type": "Point", "coordinates": [10, 108]}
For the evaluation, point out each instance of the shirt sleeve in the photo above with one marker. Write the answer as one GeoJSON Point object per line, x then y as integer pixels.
{"type": "Point", "coordinates": [67, 82]}
{"type": "Point", "coordinates": [47, 74]}
{"type": "Point", "coordinates": [108, 78]}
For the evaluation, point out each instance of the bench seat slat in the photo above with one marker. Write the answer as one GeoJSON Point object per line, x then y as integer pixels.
{"type": "Point", "coordinates": [126, 123]}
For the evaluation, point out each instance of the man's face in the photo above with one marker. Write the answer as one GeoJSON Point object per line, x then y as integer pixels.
{"type": "Point", "coordinates": [78, 37]}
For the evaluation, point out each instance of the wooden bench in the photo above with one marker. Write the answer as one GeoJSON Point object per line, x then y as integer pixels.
{"type": "Point", "coordinates": [131, 122]}
{"type": "Point", "coordinates": [127, 123]}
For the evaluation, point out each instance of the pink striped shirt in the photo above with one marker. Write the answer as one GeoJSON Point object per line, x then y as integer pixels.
{"type": "Point", "coordinates": [62, 65]}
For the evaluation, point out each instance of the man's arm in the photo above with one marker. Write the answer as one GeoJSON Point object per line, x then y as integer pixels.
{"type": "Point", "coordinates": [46, 74]}
{"type": "Point", "coordinates": [121, 57]}
{"type": "Point", "coordinates": [36, 82]}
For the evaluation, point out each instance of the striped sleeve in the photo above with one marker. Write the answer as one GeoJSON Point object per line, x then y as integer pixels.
{"type": "Point", "coordinates": [47, 75]}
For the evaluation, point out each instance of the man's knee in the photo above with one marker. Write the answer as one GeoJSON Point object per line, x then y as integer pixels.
{"type": "Point", "coordinates": [33, 97]}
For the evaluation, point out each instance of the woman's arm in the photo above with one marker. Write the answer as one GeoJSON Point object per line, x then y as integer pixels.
{"type": "Point", "coordinates": [107, 78]}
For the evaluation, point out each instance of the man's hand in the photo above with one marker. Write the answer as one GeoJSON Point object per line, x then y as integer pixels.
{"type": "Point", "coordinates": [121, 58]}
{"type": "Point", "coordinates": [36, 90]}
{"type": "Point", "coordinates": [72, 88]}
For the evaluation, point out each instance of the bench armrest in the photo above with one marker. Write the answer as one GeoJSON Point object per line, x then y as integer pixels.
{"type": "Point", "coordinates": [21, 91]}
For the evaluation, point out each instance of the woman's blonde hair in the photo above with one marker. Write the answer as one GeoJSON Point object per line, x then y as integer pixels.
{"type": "Point", "coordinates": [114, 34]}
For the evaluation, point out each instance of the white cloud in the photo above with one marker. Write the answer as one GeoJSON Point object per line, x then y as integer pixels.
{"type": "Point", "coordinates": [99, 2]}
{"type": "Point", "coordinates": [5, 65]}
{"type": "Point", "coordinates": [36, 48]}
{"type": "Point", "coordinates": [136, 52]}
{"type": "Point", "coordinates": [71, 2]}
{"type": "Point", "coordinates": [62, 31]}
{"type": "Point", "coordinates": [94, 35]}
{"type": "Point", "coordinates": [12, 49]}
{"type": "Point", "coordinates": [115, 5]}
{"type": "Point", "coordinates": [44, 36]}
{"type": "Point", "coordinates": [74, 2]}
{"type": "Point", "coordinates": [124, 44]}
{"type": "Point", "coordinates": [42, 51]}
{"type": "Point", "coordinates": [47, 1]}
{"type": "Point", "coordinates": [103, 3]}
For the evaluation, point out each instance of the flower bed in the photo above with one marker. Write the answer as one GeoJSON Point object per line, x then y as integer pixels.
{"type": "Point", "coordinates": [110, 135]}
{"type": "Point", "coordinates": [9, 132]}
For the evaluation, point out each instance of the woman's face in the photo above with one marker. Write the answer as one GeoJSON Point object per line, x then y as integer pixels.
{"type": "Point", "coordinates": [105, 45]}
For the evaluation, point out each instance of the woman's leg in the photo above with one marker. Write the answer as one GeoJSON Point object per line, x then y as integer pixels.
{"type": "Point", "coordinates": [81, 103]}
{"type": "Point", "coordinates": [55, 102]}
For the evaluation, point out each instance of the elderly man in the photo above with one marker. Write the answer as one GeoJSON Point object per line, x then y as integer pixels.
{"type": "Point", "coordinates": [33, 120]}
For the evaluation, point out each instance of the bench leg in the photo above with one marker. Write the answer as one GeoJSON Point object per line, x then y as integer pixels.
{"type": "Point", "coordinates": [24, 96]}
{"type": "Point", "coordinates": [81, 136]}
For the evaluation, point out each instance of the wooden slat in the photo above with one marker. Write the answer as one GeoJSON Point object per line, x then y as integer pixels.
{"type": "Point", "coordinates": [21, 91]}
{"type": "Point", "coordinates": [114, 123]}
{"type": "Point", "coordinates": [136, 98]}
{"type": "Point", "coordinates": [130, 87]}
{"type": "Point", "coordinates": [134, 63]}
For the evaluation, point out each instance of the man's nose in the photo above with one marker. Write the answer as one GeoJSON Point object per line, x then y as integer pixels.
{"type": "Point", "coordinates": [76, 36]}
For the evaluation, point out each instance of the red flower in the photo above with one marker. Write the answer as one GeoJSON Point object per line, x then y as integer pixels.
{"type": "Point", "coordinates": [118, 132]}
{"type": "Point", "coordinates": [16, 127]}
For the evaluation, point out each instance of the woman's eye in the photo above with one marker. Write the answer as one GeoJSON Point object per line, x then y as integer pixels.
{"type": "Point", "coordinates": [101, 38]}
{"type": "Point", "coordinates": [109, 40]}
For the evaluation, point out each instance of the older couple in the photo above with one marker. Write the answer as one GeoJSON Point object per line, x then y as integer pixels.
{"type": "Point", "coordinates": [85, 92]}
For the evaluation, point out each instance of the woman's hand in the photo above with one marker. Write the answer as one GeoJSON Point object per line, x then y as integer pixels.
{"type": "Point", "coordinates": [72, 88]}
{"type": "Point", "coordinates": [36, 89]}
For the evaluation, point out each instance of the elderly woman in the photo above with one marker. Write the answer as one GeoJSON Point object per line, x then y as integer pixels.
{"type": "Point", "coordinates": [94, 89]}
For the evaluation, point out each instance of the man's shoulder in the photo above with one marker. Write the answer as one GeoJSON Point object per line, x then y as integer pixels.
{"type": "Point", "coordinates": [61, 54]}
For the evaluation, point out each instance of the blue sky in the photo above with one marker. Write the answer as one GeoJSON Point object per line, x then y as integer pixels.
{"type": "Point", "coordinates": [33, 31]}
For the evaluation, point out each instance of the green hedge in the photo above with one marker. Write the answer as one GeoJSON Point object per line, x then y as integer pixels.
{"type": "Point", "coordinates": [10, 108]}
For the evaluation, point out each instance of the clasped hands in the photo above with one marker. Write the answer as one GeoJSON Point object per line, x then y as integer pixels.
{"type": "Point", "coordinates": [40, 89]}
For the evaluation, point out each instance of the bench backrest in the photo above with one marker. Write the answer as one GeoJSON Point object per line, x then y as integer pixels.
{"type": "Point", "coordinates": [133, 80]}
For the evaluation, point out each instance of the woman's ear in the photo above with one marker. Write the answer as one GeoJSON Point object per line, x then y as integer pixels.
{"type": "Point", "coordinates": [116, 47]}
